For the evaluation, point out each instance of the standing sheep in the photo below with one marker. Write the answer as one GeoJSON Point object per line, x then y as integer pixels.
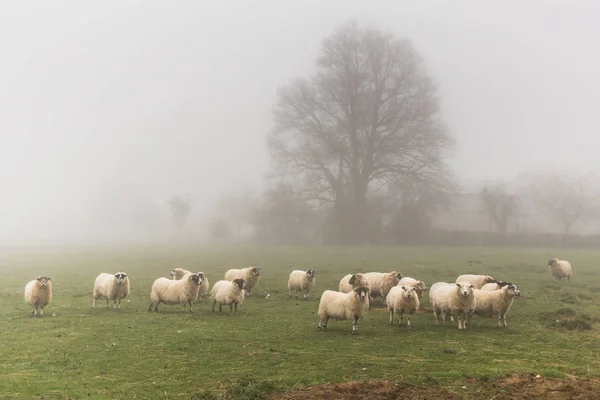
{"type": "Point", "coordinates": [476, 280]}
{"type": "Point", "coordinates": [382, 282]}
{"type": "Point", "coordinates": [250, 275]}
{"type": "Point", "coordinates": [204, 286]}
{"type": "Point", "coordinates": [301, 281]}
{"type": "Point", "coordinates": [454, 299]}
{"type": "Point", "coordinates": [419, 286]}
{"type": "Point", "coordinates": [178, 273]}
{"type": "Point", "coordinates": [113, 287]}
{"type": "Point", "coordinates": [560, 269]}
{"type": "Point", "coordinates": [402, 299]}
{"type": "Point", "coordinates": [495, 303]}
{"type": "Point", "coordinates": [342, 306]}
{"type": "Point", "coordinates": [38, 293]}
{"type": "Point", "coordinates": [350, 281]}
{"type": "Point", "coordinates": [180, 291]}
{"type": "Point", "coordinates": [226, 292]}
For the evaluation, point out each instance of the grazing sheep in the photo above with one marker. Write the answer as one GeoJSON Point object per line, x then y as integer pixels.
{"type": "Point", "coordinates": [301, 281]}
{"type": "Point", "coordinates": [178, 273]}
{"type": "Point", "coordinates": [494, 286]}
{"type": "Point", "coordinates": [419, 286]}
{"type": "Point", "coordinates": [495, 303]}
{"type": "Point", "coordinates": [382, 282]}
{"type": "Point", "coordinates": [350, 281]}
{"type": "Point", "coordinates": [402, 299]}
{"type": "Point", "coordinates": [183, 291]}
{"type": "Point", "coordinates": [342, 306]}
{"type": "Point", "coordinates": [560, 269]}
{"type": "Point", "coordinates": [227, 292]}
{"type": "Point", "coordinates": [113, 287]}
{"type": "Point", "coordinates": [250, 275]}
{"type": "Point", "coordinates": [38, 293]}
{"type": "Point", "coordinates": [476, 280]}
{"type": "Point", "coordinates": [454, 299]}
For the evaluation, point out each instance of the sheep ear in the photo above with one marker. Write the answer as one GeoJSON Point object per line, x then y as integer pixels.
{"type": "Point", "coordinates": [457, 284]}
{"type": "Point", "coordinates": [403, 287]}
{"type": "Point", "coordinates": [471, 286]}
{"type": "Point", "coordinates": [352, 279]}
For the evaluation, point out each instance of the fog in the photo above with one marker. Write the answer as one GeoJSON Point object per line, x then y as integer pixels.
{"type": "Point", "coordinates": [106, 103]}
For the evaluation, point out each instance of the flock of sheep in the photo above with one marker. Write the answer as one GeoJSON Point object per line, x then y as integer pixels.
{"type": "Point", "coordinates": [470, 294]}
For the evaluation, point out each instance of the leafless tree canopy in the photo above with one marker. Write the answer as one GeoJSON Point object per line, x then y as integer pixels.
{"type": "Point", "coordinates": [368, 117]}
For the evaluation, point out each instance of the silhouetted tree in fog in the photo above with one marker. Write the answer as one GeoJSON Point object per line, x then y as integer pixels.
{"type": "Point", "coordinates": [180, 208]}
{"type": "Point", "coordinates": [369, 115]}
{"type": "Point", "coordinates": [500, 206]}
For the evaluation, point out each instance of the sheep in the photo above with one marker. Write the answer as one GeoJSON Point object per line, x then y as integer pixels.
{"type": "Point", "coordinates": [301, 281]}
{"type": "Point", "coordinates": [182, 291]}
{"type": "Point", "coordinates": [178, 273]}
{"type": "Point", "coordinates": [382, 282]}
{"type": "Point", "coordinates": [350, 281]}
{"type": "Point", "coordinates": [476, 280]}
{"type": "Point", "coordinates": [560, 269]}
{"type": "Point", "coordinates": [454, 299]}
{"type": "Point", "coordinates": [38, 293]}
{"type": "Point", "coordinates": [227, 292]}
{"type": "Point", "coordinates": [402, 299]}
{"type": "Point", "coordinates": [495, 303]}
{"type": "Point", "coordinates": [113, 287]}
{"type": "Point", "coordinates": [342, 306]}
{"type": "Point", "coordinates": [204, 286]}
{"type": "Point", "coordinates": [250, 275]}
{"type": "Point", "coordinates": [419, 286]}
{"type": "Point", "coordinates": [494, 286]}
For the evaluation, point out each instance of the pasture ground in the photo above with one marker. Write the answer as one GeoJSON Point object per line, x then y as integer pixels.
{"type": "Point", "coordinates": [272, 348]}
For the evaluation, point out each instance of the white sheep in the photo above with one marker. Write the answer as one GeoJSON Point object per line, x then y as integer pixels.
{"type": "Point", "coordinates": [113, 287]}
{"type": "Point", "coordinates": [452, 299]}
{"type": "Point", "coordinates": [382, 282]}
{"type": "Point", "coordinates": [250, 275]}
{"type": "Point", "coordinates": [227, 292]}
{"type": "Point", "coordinates": [419, 285]}
{"type": "Point", "coordinates": [342, 306]}
{"type": "Point", "coordinates": [178, 273]}
{"type": "Point", "coordinates": [301, 281]}
{"type": "Point", "coordinates": [495, 303]}
{"type": "Point", "coordinates": [350, 281]}
{"type": "Point", "coordinates": [38, 293]}
{"type": "Point", "coordinates": [476, 280]}
{"type": "Point", "coordinates": [402, 300]}
{"type": "Point", "coordinates": [204, 286]}
{"type": "Point", "coordinates": [560, 269]}
{"type": "Point", "coordinates": [494, 286]}
{"type": "Point", "coordinates": [183, 291]}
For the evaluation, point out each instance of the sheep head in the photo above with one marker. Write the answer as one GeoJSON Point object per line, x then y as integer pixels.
{"type": "Point", "coordinates": [362, 292]}
{"type": "Point", "coordinates": [121, 277]}
{"type": "Point", "coordinates": [195, 278]}
{"type": "Point", "coordinates": [513, 290]}
{"type": "Point", "coordinates": [239, 283]}
{"type": "Point", "coordinates": [408, 292]}
{"type": "Point", "coordinates": [43, 280]}
{"type": "Point", "coordinates": [255, 271]}
{"type": "Point", "coordinates": [311, 273]}
{"type": "Point", "coordinates": [465, 289]}
{"type": "Point", "coordinates": [552, 262]}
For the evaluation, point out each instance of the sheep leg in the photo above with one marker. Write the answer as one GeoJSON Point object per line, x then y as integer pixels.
{"type": "Point", "coordinates": [41, 312]}
{"type": "Point", "coordinates": [94, 303]}
{"type": "Point", "coordinates": [235, 307]}
{"type": "Point", "coordinates": [401, 318]}
{"type": "Point", "coordinates": [323, 323]}
{"type": "Point", "coordinates": [435, 315]}
{"type": "Point", "coordinates": [107, 306]}
{"type": "Point", "coordinates": [408, 321]}
{"type": "Point", "coordinates": [290, 294]}
{"type": "Point", "coordinates": [230, 308]}
{"type": "Point", "coordinates": [355, 324]}
{"type": "Point", "coordinates": [33, 310]}
{"type": "Point", "coordinates": [248, 292]}
{"type": "Point", "coordinates": [190, 303]}
{"type": "Point", "coordinates": [220, 307]}
{"type": "Point", "coordinates": [391, 315]}
{"type": "Point", "coordinates": [213, 305]}
{"type": "Point", "coordinates": [150, 308]}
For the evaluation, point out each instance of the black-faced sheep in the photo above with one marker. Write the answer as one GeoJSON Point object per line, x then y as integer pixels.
{"type": "Point", "coordinates": [183, 291]}
{"type": "Point", "coordinates": [301, 281]}
{"type": "Point", "coordinates": [114, 287]}
{"type": "Point", "coordinates": [227, 293]}
{"type": "Point", "coordinates": [250, 275]}
{"type": "Point", "coordinates": [560, 269]}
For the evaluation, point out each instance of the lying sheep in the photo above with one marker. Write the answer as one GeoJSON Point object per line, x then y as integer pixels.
{"type": "Point", "coordinates": [178, 273]}
{"type": "Point", "coordinates": [494, 286]}
{"type": "Point", "coordinates": [419, 286]}
{"type": "Point", "coordinates": [350, 281]}
{"type": "Point", "coordinates": [38, 293]}
{"type": "Point", "coordinates": [476, 280]}
{"type": "Point", "coordinates": [402, 299]}
{"type": "Point", "coordinates": [382, 282]}
{"type": "Point", "coordinates": [455, 299]}
{"type": "Point", "coordinates": [301, 281]}
{"type": "Point", "coordinates": [560, 269]}
{"type": "Point", "coordinates": [114, 287]}
{"type": "Point", "coordinates": [250, 275]}
{"type": "Point", "coordinates": [183, 291]}
{"type": "Point", "coordinates": [495, 303]}
{"type": "Point", "coordinates": [226, 292]}
{"type": "Point", "coordinates": [342, 306]}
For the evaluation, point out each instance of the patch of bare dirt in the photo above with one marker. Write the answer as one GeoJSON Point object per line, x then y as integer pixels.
{"type": "Point", "coordinates": [512, 388]}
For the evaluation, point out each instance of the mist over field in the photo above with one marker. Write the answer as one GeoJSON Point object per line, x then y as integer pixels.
{"type": "Point", "coordinates": [140, 121]}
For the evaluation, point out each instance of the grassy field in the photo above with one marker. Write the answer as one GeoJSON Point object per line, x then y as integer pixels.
{"type": "Point", "coordinates": [77, 352]}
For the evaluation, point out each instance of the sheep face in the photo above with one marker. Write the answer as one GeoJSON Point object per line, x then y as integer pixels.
{"type": "Point", "coordinates": [255, 271]}
{"type": "Point", "coordinates": [513, 290]}
{"type": "Point", "coordinates": [408, 292]}
{"type": "Point", "coordinates": [202, 276]}
{"type": "Point", "coordinates": [552, 262]}
{"type": "Point", "coordinates": [352, 279]}
{"type": "Point", "coordinates": [239, 282]}
{"type": "Point", "coordinates": [311, 273]}
{"type": "Point", "coordinates": [421, 285]}
{"type": "Point", "coordinates": [361, 292]}
{"type": "Point", "coordinates": [465, 289]}
{"type": "Point", "coordinates": [195, 278]}
{"type": "Point", "coordinates": [172, 273]}
{"type": "Point", "coordinates": [120, 277]}
{"type": "Point", "coordinates": [43, 280]}
{"type": "Point", "coordinates": [398, 277]}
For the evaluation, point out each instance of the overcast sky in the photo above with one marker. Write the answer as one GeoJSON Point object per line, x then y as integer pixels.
{"type": "Point", "coordinates": [168, 97]}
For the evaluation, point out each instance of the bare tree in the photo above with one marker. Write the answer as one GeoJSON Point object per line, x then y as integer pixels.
{"type": "Point", "coordinates": [567, 198]}
{"type": "Point", "coordinates": [180, 208]}
{"type": "Point", "coordinates": [500, 206]}
{"type": "Point", "coordinates": [369, 116]}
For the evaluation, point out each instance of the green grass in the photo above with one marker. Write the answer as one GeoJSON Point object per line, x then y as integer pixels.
{"type": "Point", "coordinates": [76, 352]}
